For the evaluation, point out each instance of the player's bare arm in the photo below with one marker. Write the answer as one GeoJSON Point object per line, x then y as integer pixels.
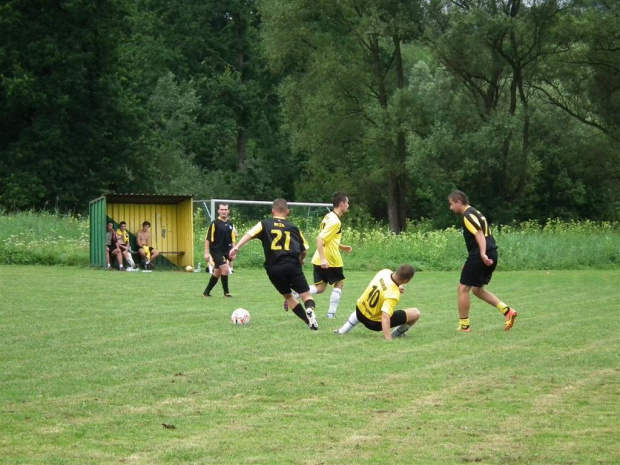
{"type": "Point", "coordinates": [207, 253]}
{"type": "Point", "coordinates": [320, 248]}
{"type": "Point", "coordinates": [244, 240]}
{"type": "Point", "coordinates": [385, 326]}
{"type": "Point", "coordinates": [482, 246]}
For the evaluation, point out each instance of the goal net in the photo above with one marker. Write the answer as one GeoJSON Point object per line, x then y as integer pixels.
{"type": "Point", "coordinates": [246, 213]}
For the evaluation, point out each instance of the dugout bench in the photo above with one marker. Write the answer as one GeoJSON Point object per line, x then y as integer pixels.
{"type": "Point", "coordinates": [172, 227]}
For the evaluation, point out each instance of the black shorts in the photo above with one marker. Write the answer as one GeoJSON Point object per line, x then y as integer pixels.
{"type": "Point", "coordinates": [399, 317]}
{"type": "Point", "coordinates": [331, 275]}
{"type": "Point", "coordinates": [287, 276]}
{"type": "Point", "coordinates": [219, 258]}
{"type": "Point", "coordinates": [475, 273]}
{"type": "Point", "coordinates": [111, 248]}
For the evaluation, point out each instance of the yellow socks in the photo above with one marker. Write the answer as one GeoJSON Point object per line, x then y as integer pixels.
{"type": "Point", "coordinates": [503, 308]}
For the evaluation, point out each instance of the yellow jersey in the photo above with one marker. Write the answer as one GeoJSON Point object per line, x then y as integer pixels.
{"type": "Point", "coordinates": [381, 296]}
{"type": "Point", "coordinates": [331, 233]}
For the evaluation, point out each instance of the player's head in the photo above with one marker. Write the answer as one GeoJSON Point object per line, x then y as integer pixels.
{"type": "Point", "coordinates": [223, 210]}
{"type": "Point", "coordinates": [122, 225]}
{"type": "Point", "coordinates": [146, 224]}
{"type": "Point", "coordinates": [458, 201]}
{"type": "Point", "coordinates": [340, 200]}
{"type": "Point", "coordinates": [405, 273]}
{"type": "Point", "coordinates": [280, 207]}
{"type": "Point", "coordinates": [110, 225]}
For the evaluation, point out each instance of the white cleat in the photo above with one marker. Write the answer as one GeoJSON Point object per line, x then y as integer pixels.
{"type": "Point", "coordinates": [312, 323]}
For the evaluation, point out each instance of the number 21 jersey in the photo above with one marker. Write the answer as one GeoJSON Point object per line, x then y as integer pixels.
{"type": "Point", "coordinates": [282, 241]}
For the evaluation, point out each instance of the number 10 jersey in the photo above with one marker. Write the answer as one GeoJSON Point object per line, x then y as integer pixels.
{"type": "Point", "coordinates": [381, 295]}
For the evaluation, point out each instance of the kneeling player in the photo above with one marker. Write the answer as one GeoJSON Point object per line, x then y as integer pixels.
{"type": "Point", "coordinates": [376, 307]}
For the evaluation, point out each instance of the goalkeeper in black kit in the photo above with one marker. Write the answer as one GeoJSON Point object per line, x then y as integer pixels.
{"type": "Point", "coordinates": [285, 249]}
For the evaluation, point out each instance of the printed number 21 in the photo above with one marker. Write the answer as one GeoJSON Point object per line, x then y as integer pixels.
{"type": "Point", "coordinates": [277, 238]}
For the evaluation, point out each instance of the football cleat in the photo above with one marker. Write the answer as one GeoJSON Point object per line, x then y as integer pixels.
{"type": "Point", "coordinates": [285, 306]}
{"type": "Point", "coordinates": [511, 316]}
{"type": "Point", "coordinates": [464, 330]}
{"type": "Point", "coordinates": [227, 294]}
{"type": "Point", "coordinates": [312, 323]}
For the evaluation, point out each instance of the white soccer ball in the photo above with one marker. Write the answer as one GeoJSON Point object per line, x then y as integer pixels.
{"type": "Point", "coordinates": [240, 317]}
{"type": "Point", "coordinates": [189, 268]}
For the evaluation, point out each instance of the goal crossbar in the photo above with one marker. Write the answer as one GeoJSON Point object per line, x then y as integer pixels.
{"type": "Point", "coordinates": [212, 212]}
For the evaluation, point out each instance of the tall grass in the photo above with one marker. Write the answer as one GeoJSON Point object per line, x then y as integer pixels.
{"type": "Point", "coordinates": [44, 238]}
{"type": "Point", "coordinates": [48, 238]}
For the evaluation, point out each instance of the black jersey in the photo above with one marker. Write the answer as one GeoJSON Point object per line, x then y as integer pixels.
{"type": "Point", "coordinates": [474, 221]}
{"type": "Point", "coordinates": [282, 241]}
{"type": "Point", "coordinates": [220, 235]}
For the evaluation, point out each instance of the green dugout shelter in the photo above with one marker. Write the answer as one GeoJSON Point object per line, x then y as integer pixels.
{"type": "Point", "coordinates": [171, 218]}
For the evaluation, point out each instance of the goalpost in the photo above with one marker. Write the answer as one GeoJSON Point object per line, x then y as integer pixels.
{"type": "Point", "coordinates": [246, 213]}
{"type": "Point", "coordinates": [211, 208]}
{"type": "Point", "coordinates": [307, 215]}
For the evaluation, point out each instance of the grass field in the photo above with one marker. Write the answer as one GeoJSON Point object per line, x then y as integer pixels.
{"type": "Point", "coordinates": [95, 362]}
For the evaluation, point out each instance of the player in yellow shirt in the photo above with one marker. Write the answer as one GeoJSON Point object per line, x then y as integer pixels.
{"type": "Point", "coordinates": [125, 246]}
{"type": "Point", "coordinates": [376, 308]}
{"type": "Point", "coordinates": [327, 261]}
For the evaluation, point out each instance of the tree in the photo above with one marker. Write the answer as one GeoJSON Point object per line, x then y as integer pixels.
{"type": "Point", "coordinates": [585, 82]}
{"type": "Point", "coordinates": [344, 102]}
{"type": "Point", "coordinates": [60, 124]}
{"type": "Point", "coordinates": [496, 49]}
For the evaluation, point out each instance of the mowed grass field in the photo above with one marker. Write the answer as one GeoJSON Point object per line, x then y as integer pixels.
{"type": "Point", "coordinates": [95, 363]}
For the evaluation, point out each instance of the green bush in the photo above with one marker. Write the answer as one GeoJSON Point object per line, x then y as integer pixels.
{"type": "Point", "coordinates": [49, 238]}
{"type": "Point", "coordinates": [44, 238]}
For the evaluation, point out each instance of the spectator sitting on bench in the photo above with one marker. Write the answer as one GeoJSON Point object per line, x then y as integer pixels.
{"type": "Point", "coordinates": [111, 247]}
{"type": "Point", "coordinates": [145, 247]}
{"type": "Point", "coordinates": [125, 246]}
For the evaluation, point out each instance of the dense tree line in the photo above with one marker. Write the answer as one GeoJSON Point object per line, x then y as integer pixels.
{"type": "Point", "coordinates": [396, 102]}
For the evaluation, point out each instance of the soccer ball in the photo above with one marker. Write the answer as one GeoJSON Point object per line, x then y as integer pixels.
{"type": "Point", "coordinates": [240, 317]}
{"type": "Point", "coordinates": [189, 268]}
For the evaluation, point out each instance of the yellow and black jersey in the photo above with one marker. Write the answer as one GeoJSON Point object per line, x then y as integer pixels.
{"type": "Point", "coordinates": [220, 235]}
{"type": "Point", "coordinates": [282, 241]}
{"type": "Point", "coordinates": [474, 221]}
{"type": "Point", "coordinates": [381, 296]}
{"type": "Point", "coordinates": [331, 233]}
